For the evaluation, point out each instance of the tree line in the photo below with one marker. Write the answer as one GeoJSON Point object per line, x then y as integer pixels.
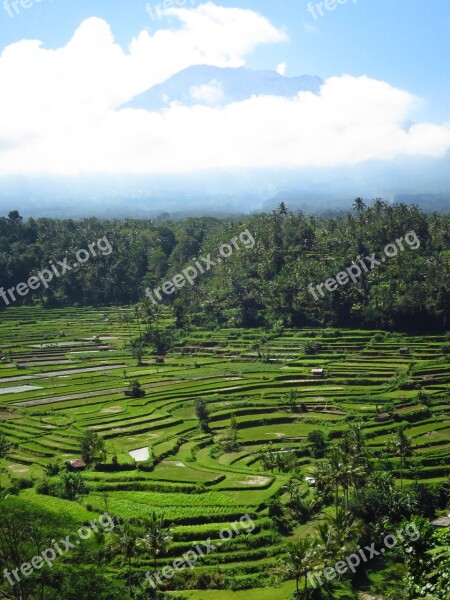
{"type": "Point", "coordinates": [266, 285]}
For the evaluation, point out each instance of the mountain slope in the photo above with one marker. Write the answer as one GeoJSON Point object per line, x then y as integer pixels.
{"type": "Point", "coordinates": [220, 86]}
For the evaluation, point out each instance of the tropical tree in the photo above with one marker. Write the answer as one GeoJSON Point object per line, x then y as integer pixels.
{"type": "Point", "coordinates": [358, 444]}
{"type": "Point", "coordinates": [353, 460]}
{"type": "Point", "coordinates": [268, 459]}
{"type": "Point", "coordinates": [325, 483]}
{"type": "Point", "coordinates": [137, 351]}
{"type": "Point", "coordinates": [156, 539]}
{"type": "Point", "coordinates": [125, 543]}
{"type": "Point", "coordinates": [291, 400]}
{"type": "Point", "coordinates": [92, 447]}
{"type": "Point", "coordinates": [286, 461]}
{"type": "Point", "coordinates": [230, 442]}
{"type": "Point", "coordinates": [400, 445]}
{"type": "Point", "coordinates": [382, 480]}
{"type": "Point", "coordinates": [327, 545]}
{"type": "Point", "coordinates": [318, 443]}
{"type": "Point", "coordinates": [336, 472]}
{"type": "Point", "coordinates": [202, 413]}
{"type": "Point", "coordinates": [345, 530]}
{"type": "Point", "coordinates": [72, 485]}
{"type": "Point", "coordinates": [282, 209]}
{"type": "Point", "coordinates": [359, 206]}
{"type": "Point", "coordinates": [300, 561]}
{"type": "Point", "coordinates": [52, 469]}
{"type": "Point", "coordinates": [135, 389]}
{"type": "Point", "coordinates": [124, 318]}
{"type": "Point", "coordinates": [415, 472]}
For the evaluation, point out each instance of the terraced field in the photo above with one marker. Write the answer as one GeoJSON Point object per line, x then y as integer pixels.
{"type": "Point", "coordinates": [58, 383]}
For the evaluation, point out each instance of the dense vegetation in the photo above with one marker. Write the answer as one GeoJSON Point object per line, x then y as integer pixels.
{"type": "Point", "coordinates": [258, 286]}
{"type": "Point", "coordinates": [241, 399]}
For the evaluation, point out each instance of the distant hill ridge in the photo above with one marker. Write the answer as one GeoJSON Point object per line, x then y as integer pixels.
{"type": "Point", "coordinates": [207, 85]}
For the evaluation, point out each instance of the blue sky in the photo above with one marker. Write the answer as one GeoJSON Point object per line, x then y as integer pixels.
{"type": "Point", "coordinates": [385, 98]}
{"type": "Point", "coordinates": [403, 42]}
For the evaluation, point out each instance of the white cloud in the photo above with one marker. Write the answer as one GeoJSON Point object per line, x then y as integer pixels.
{"type": "Point", "coordinates": [59, 109]}
{"type": "Point", "coordinates": [211, 93]}
{"type": "Point", "coordinates": [281, 69]}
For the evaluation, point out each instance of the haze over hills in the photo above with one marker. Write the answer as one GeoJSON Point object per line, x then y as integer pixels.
{"type": "Point", "coordinates": [176, 122]}
{"type": "Point", "coordinates": [209, 85]}
{"type": "Point", "coordinates": [322, 191]}
{"type": "Point", "coordinates": [215, 192]}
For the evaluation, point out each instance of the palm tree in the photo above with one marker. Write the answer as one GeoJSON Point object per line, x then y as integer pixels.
{"type": "Point", "coordinates": [415, 471]}
{"type": "Point", "coordinates": [326, 542]}
{"type": "Point", "coordinates": [73, 485]}
{"type": "Point", "coordinates": [324, 477]}
{"type": "Point", "coordinates": [401, 445]}
{"type": "Point", "coordinates": [358, 443]}
{"type": "Point", "coordinates": [337, 473]}
{"type": "Point", "coordinates": [382, 480]}
{"type": "Point", "coordinates": [125, 543]}
{"type": "Point", "coordinates": [359, 457]}
{"type": "Point", "coordinates": [137, 312]}
{"type": "Point", "coordinates": [349, 472]}
{"type": "Point", "coordinates": [350, 461]}
{"type": "Point", "coordinates": [157, 538]}
{"type": "Point", "coordinates": [137, 351]}
{"type": "Point", "coordinates": [345, 530]}
{"type": "Point", "coordinates": [282, 209]}
{"type": "Point", "coordinates": [359, 205]}
{"type": "Point", "coordinates": [125, 319]}
{"type": "Point", "coordinates": [295, 488]}
{"type": "Point", "coordinates": [300, 560]}
{"type": "Point", "coordinates": [337, 536]}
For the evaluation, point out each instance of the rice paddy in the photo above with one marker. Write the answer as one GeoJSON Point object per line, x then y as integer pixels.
{"type": "Point", "coordinates": [57, 383]}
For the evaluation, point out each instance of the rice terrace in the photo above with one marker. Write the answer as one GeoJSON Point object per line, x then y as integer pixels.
{"type": "Point", "coordinates": [266, 397]}
{"type": "Point", "coordinates": [224, 300]}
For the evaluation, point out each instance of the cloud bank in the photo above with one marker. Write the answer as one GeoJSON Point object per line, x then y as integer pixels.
{"type": "Point", "coordinates": [60, 109]}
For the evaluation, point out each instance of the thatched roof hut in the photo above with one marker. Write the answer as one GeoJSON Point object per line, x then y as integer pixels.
{"type": "Point", "coordinates": [77, 464]}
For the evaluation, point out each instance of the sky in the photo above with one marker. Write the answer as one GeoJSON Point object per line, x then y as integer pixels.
{"type": "Point", "coordinates": [67, 67]}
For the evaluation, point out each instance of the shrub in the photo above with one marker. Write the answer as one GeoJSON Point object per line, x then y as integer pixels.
{"type": "Point", "coordinates": [378, 337]}
{"type": "Point", "coordinates": [408, 384]}
{"type": "Point", "coordinates": [52, 469]}
{"type": "Point", "coordinates": [135, 390]}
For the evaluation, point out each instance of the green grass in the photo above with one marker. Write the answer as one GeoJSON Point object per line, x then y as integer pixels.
{"type": "Point", "coordinates": [269, 593]}
{"type": "Point", "coordinates": [212, 487]}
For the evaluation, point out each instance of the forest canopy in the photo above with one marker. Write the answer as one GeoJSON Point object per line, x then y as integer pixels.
{"type": "Point", "coordinates": [266, 285]}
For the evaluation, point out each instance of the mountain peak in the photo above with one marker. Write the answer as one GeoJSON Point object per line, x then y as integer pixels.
{"type": "Point", "coordinates": [217, 86]}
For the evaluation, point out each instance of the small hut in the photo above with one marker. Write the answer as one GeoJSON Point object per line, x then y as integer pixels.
{"type": "Point", "coordinates": [405, 351]}
{"type": "Point", "coordinates": [382, 417]}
